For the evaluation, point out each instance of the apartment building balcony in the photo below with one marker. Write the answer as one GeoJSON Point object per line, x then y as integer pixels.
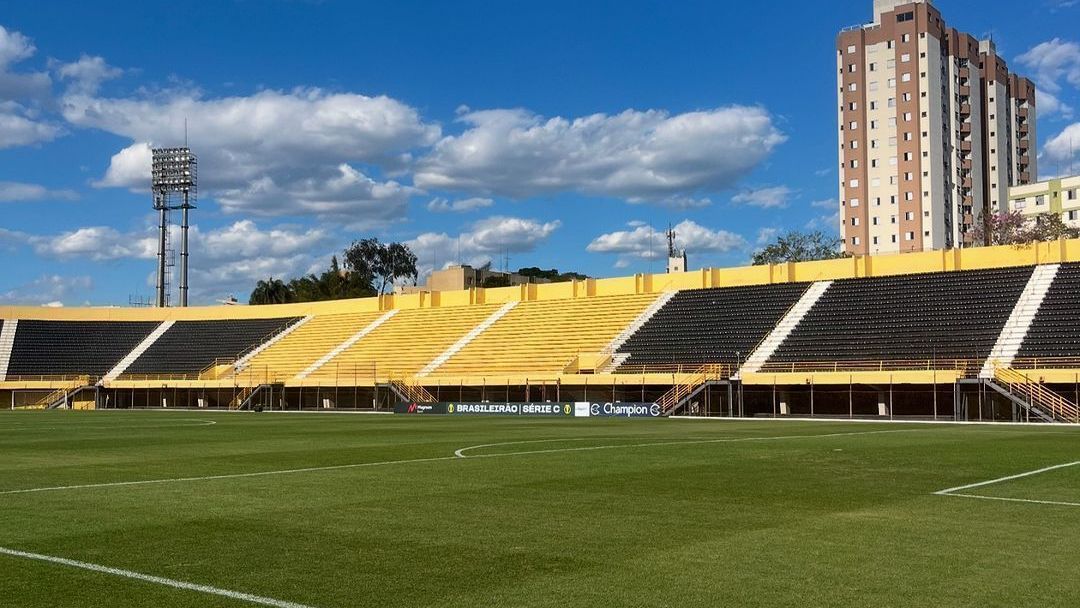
{"type": "Point", "coordinates": [964, 73]}
{"type": "Point", "coordinates": [968, 238]}
{"type": "Point", "coordinates": [965, 90]}
{"type": "Point", "coordinates": [1022, 113]}
{"type": "Point", "coordinates": [965, 128]}
{"type": "Point", "coordinates": [965, 146]}
{"type": "Point", "coordinates": [1025, 177]}
{"type": "Point", "coordinates": [968, 200]}
{"type": "Point", "coordinates": [1025, 160]}
{"type": "Point", "coordinates": [1023, 130]}
{"type": "Point", "coordinates": [965, 108]}
{"type": "Point", "coordinates": [966, 183]}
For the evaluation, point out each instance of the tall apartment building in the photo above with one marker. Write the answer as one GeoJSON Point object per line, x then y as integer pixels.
{"type": "Point", "coordinates": [934, 129]}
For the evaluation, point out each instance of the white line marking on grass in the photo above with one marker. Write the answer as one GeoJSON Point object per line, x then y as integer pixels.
{"type": "Point", "coordinates": [662, 443]}
{"type": "Point", "coordinates": [157, 580]}
{"type": "Point", "coordinates": [461, 453]}
{"type": "Point", "coordinates": [1009, 478]}
{"type": "Point", "coordinates": [1028, 500]}
{"type": "Point", "coordinates": [360, 465]}
{"type": "Point", "coordinates": [956, 491]}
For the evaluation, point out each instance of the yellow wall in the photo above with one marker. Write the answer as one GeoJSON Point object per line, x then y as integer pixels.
{"type": "Point", "coordinates": [856, 267]}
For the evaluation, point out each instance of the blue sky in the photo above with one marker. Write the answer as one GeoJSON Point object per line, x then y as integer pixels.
{"type": "Point", "coordinates": [565, 134]}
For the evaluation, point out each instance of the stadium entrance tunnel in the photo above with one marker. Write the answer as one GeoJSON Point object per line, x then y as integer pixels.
{"type": "Point", "coordinates": [963, 400]}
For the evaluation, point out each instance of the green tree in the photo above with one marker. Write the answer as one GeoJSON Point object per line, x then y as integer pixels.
{"type": "Point", "coordinates": [381, 265]}
{"type": "Point", "coordinates": [800, 247]}
{"type": "Point", "coordinates": [552, 275]}
{"type": "Point", "coordinates": [271, 291]}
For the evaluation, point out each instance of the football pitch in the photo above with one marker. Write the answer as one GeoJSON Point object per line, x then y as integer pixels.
{"type": "Point", "coordinates": [203, 509]}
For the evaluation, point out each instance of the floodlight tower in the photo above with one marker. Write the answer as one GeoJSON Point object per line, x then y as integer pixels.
{"type": "Point", "coordinates": [174, 184]}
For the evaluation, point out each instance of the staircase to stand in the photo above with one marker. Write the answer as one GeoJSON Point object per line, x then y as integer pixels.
{"type": "Point", "coordinates": [1019, 322]}
{"type": "Point", "coordinates": [409, 391]}
{"type": "Point", "coordinates": [690, 387]}
{"type": "Point", "coordinates": [1030, 394]}
{"type": "Point", "coordinates": [248, 394]}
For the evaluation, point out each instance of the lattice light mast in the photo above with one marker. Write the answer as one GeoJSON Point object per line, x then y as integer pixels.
{"type": "Point", "coordinates": [174, 183]}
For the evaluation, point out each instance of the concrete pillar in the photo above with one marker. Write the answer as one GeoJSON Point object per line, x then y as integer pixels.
{"type": "Point", "coordinates": [882, 404]}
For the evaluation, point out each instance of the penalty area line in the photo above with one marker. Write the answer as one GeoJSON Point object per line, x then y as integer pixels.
{"type": "Point", "coordinates": [148, 578]}
{"type": "Point", "coordinates": [959, 491]}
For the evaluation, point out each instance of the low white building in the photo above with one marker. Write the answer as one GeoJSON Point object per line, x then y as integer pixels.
{"type": "Point", "coordinates": [1061, 195]}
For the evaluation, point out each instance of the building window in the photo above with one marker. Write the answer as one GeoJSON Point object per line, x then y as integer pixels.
{"type": "Point", "coordinates": [873, 143]}
{"type": "Point", "coordinates": [906, 37]}
{"type": "Point", "coordinates": [855, 164]}
{"type": "Point", "coordinates": [1071, 216]}
{"type": "Point", "coordinates": [854, 183]}
{"type": "Point", "coordinates": [907, 156]}
{"type": "Point", "coordinates": [893, 238]}
{"type": "Point", "coordinates": [873, 67]}
{"type": "Point", "coordinates": [903, 17]}
{"type": "Point", "coordinates": [873, 87]}
{"type": "Point", "coordinates": [875, 240]}
{"type": "Point", "coordinates": [1072, 195]}
{"type": "Point", "coordinates": [892, 102]}
{"type": "Point", "coordinates": [851, 68]}
{"type": "Point", "coordinates": [1040, 200]}
{"type": "Point", "coordinates": [854, 240]}
{"type": "Point", "coordinates": [909, 216]}
{"type": "Point", "coordinates": [909, 196]}
{"type": "Point", "coordinates": [909, 236]}
{"type": "Point", "coordinates": [906, 57]}
{"type": "Point", "coordinates": [851, 49]}
{"type": "Point", "coordinates": [905, 77]}
{"type": "Point", "coordinates": [873, 163]}
{"type": "Point", "coordinates": [854, 202]}
{"type": "Point", "coordinates": [876, 182]}
{"type": "Point", "coordinates": [874, 220]}
{"type": "Point", "coordinates": [854, 125]}
{"type": "Point", "coordinates": [892, 83]}
{"type": "Point", "coordinates": [873, 105]}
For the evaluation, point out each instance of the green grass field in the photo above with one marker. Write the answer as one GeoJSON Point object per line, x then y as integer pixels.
{"type": "Point", "coordinates": [568, 512]}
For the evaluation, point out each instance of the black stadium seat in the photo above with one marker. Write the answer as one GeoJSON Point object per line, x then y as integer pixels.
{"type": "Point", "coordinates": [191, 346]}
{"type": "Point", "coordinates": [1055, 332]}
{"type": "Point", "coordinates": [703, 326]}
{"type": "Point", "coordinates": [74, 347]}
{"type": "Point", "coordinates": [944, 315]}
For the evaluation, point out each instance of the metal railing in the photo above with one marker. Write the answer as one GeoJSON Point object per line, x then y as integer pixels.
{"type": "Point", "coordinates": [1037, 395]}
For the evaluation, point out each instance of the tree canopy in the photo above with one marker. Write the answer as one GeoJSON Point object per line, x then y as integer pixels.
{"type": "Point", "coordinates": [1015, 228]}
{"type": "Point", "coordinates": [799, 247]}
{"type": "Point", "coordinates": [370, 269]}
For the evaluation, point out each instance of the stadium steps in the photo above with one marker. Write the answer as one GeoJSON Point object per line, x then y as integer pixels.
{"type": "Point", "coordinates": [1023, 315]}
{"type": "Point", "coordinates": [612, 349]}
{"type": "Point", "coordinates": [1004, 392]}
{"type": "Point", "coordinates": [783, 329]}
{"type": "Point", "coordinates": [545, 337]}
{"type": "Point", "coordinates": [304, 345]}
{"type": "Point", "coordinates": [347, 344]}
{"type": "Point", "coordinates": [1033, 396]}
{"type": "Point", "coordinates": [7, 341]}
{"type": "Point", "coordinates": [466, 339]}
{"type": "Point", "coordinates": [245, 359]}
{"type": "Point", "coordinates": [681, 394]}
{"type": "Point", "coordinates": [409, 392]}
{"type": "Point", "coordinates": [137, 352]}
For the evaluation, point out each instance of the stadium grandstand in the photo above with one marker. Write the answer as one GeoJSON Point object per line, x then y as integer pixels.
{"type": "Point", "coordinates": [975, 334]}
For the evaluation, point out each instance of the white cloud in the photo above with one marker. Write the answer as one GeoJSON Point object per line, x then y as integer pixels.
{"type": "Point", "coordinates": [19, 191]}
{"type": "Point", "coordinates": [341, 193]}
{"type": "Point", "coordinates": [829, 203]}
{"type": "Point", "coordinates": [48, 290]}
{"type": "Point", "coordinates": [1063, 150]}
{"type": "Point", "coordinates": [86, 75]}
{"type": "Point", "coordinates": [442, 205]}
{"type": "Point", "coordinates": [226, 260]}
{"type": "Point", "coordinates": [648, 243]}
{"type": "Point", "coordinates": [765, 235]}
{"type": "Point", "coordinates": [270, 153]}
{"type": "Point", "coordinates": [21, 95]}
{"type": "Point", "coordinates": [1051, 105]}
{"type": "Point", "coordinates": [641, 156]}
{"type": "Point", "coordinates": [766, 198]}
{"type": "Point", "coordinates": [1053, 62]}
{"type": "Point", "coordinates": [482, 242]}
{"type": "Point", "coordinates": [97, 243]}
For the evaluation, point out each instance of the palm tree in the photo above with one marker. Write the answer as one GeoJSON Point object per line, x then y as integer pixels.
{"type": "Point", "coordinates": [271, 291]}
